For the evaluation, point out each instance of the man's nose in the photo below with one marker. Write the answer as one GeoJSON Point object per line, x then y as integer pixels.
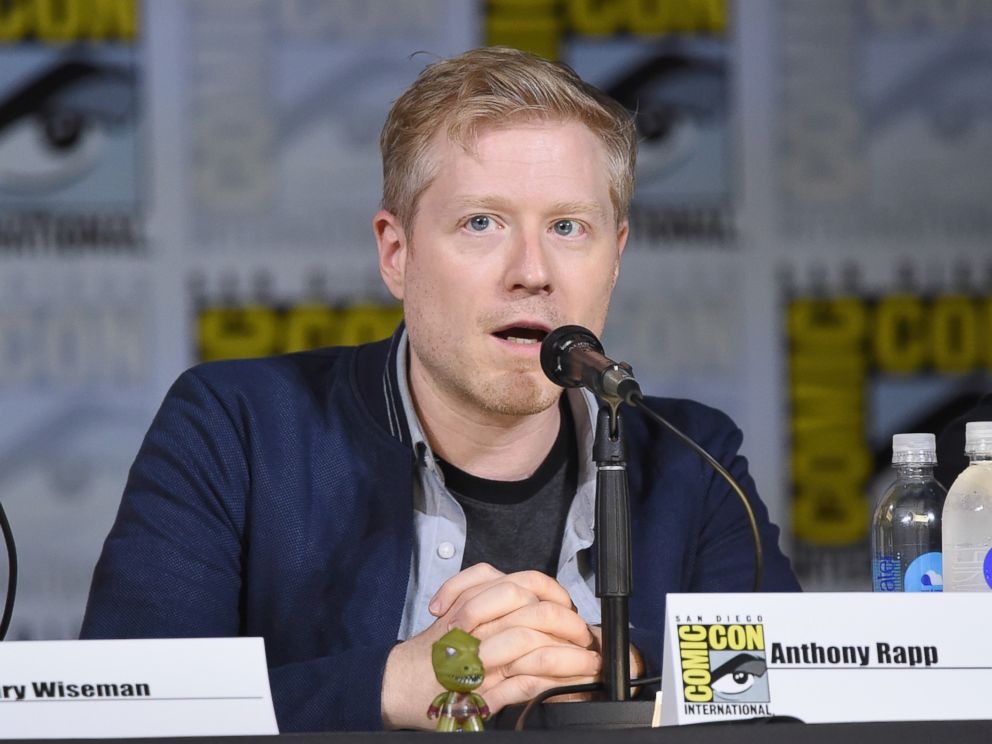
{"type": "Point", "coordinates": [528, 268]}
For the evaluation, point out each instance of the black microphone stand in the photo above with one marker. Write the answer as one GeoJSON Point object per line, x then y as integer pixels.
{"type": "Point", "coordinates": [613, 549]}
{"type": "Point", "coordinates": [572, 356]}
{"type": "Point", "coordinates": [613, 582]}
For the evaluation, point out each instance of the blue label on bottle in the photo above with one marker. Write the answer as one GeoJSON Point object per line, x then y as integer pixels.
{"type": "Point", "coordinates": [926, 573]}
{"type": "Point", "coordinates": [988, 569]}
{"type": "Point", "coordinates": [885, 574]}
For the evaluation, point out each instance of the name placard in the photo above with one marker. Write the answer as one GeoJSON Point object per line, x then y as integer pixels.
{"type": "Point", "coordinates": [827, 657]}
{"type": "Point", "coordinates": [134, 688]}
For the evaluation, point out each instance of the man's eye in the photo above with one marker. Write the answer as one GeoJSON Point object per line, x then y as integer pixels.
{"type": "Point", "coordinates": [480, 223]}
{"type": "Point", "coordinates": [567, 228]}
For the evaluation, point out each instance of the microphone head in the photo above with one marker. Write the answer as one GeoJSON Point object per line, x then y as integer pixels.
{"type": "Point", "coordinates": [557, 343]}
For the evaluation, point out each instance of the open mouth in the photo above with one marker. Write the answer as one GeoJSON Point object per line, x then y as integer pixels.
{"type": "Point", "coordinates": [522, 334]}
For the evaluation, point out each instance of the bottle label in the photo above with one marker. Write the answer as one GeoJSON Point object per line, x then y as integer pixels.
{"type": "Point", "coordinates": [886, 572]}
{"type": "Point", "coordinates": [969, 568]}
{"type": "Point", "coordinates": [926, 573]}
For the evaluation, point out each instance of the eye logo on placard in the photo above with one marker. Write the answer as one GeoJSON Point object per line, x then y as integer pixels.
{"type": "Point", "coordinates": [723, 663]}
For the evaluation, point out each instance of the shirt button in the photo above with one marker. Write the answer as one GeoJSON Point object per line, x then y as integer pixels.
{"type": "Point", "coordinates": [446, 550]}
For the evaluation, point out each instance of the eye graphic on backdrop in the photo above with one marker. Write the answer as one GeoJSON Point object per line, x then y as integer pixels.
{"type": "Point", "coordinates": [54, 128]}
{"type": "Point", "coordinates": [739, 675]}
{"type": "Point", "coordinates": [674, 97]}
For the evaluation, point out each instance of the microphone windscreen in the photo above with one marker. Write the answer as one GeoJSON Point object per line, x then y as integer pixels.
{"type": "Point", "coordinates": [557, 343]}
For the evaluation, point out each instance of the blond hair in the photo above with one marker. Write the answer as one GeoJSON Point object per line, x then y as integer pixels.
{"type": "Point", "coordinates": [493, 87]}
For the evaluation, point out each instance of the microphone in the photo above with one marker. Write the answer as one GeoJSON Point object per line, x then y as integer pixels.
{"type": "Point", "coordinates": [572, 356]}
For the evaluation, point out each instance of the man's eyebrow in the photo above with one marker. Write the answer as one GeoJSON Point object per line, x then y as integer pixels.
{"type": "Point", "coordinates": [480, 202]}
{"type": "Point", "coordinates": [499, 203]}
{"type": "Point", "coordinates": [579, 207]}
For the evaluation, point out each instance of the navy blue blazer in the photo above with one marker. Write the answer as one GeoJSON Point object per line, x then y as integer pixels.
{"type": "Point", "coordinates": [274, 498]}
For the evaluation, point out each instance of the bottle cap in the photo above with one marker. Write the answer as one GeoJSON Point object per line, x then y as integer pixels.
{"type": "Point", "coordinates": [978, 438]}
{"type": "Point", "coordinates": [914, 448]}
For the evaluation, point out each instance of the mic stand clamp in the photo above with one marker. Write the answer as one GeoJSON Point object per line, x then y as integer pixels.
{"type": "Point", "coordinates": [613, 562]}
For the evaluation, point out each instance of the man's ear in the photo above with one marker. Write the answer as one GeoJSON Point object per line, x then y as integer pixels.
{"type": "Point", "coordinates": [622, 233]}
{"type": "Point", "coordinates": [393, 247]}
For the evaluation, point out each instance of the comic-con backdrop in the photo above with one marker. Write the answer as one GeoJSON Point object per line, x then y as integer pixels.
{"type": "Point", "coordinates": [188, 180]}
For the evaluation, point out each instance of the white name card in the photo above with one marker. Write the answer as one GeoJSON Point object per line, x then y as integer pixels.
{"type": "Point", "coordinates": [134, 688]}
{"type": "Point", "coordinates": [827, 657]}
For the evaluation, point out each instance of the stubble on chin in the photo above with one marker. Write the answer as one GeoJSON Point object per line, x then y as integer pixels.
{"type": "Point", "coordinates": [519, 391]}
{"type": "Point", "coordinates": [517, 394]}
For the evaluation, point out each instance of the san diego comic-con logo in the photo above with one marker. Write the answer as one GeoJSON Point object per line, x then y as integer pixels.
{"type": "Point", "coordinates": [723, 663]}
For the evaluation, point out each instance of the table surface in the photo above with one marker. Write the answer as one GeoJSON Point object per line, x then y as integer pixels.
{"type": "Point", "coordinates": [902, 732]}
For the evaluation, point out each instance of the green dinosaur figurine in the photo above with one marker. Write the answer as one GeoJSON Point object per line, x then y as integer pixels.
{"type": "Point", "coordinates": [455, 657]}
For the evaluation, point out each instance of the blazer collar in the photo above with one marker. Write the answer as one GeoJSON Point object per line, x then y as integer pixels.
{"type": "Point", "coordinates": [375, 378]}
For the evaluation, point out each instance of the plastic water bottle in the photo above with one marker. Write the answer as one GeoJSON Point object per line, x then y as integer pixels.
{"type": "Point", "coordinates": [906, 532]}
{"type": "Point", "coordinates": [968, 516]}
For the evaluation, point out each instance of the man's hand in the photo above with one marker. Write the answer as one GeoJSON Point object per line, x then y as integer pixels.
{"type": "Point", "coordinates": [408, 682]}
{"type": "Point", "coordinates": [531, 636]}
{"type": "Point", "coordinates": [531, 639]}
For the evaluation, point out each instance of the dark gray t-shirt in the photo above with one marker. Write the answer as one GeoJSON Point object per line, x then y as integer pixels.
{"type": "Point", "coordinates": [518, 525]}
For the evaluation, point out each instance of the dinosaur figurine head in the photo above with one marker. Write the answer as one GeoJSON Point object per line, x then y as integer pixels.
{"type": "Point", "coordinates": [455, 657]}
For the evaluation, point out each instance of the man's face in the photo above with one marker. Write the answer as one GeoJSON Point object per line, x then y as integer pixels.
{"type": "Point", "coordinates": [509, 241]}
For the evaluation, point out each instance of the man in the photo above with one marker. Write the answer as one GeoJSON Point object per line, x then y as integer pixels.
{"type": "Point", "coordinates": [351, 505]}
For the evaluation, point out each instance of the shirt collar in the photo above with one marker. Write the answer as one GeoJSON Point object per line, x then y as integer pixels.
{"type": "Point", "coordinates": [418, 440]}
{"type": "Point", "coordinates": [584, 406]}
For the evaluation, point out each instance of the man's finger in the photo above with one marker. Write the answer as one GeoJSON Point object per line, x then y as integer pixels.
{"type": "Point", "coordinates": [484, 604]}
{"type": "Point", "coordinates": [451, 589]}
{"type": "Point", "coordinates": [475, 579]}
{"type": "Point", "coordinates": [500, 651]}
{"type": "Point", "coordinates": [555, 661]}
{"type": "Point", "coordinates": [544, 586]}
{"type": "Point", "coordinates": [547, 617]}
{"type": "Point", "coordinates": [523, 688]}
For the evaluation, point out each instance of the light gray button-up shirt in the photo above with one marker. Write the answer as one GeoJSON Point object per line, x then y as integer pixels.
{"type": "Point", "coordinates": [440, 528]}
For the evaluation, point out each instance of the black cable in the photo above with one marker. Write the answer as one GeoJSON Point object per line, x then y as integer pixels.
{"type": "Point", "coordinates": [8, 605]}
{"type": "Point", "coordinates": [759, 560]}
{"type": "Point", "coordinates": [569, 689]}
{"type": "Point", "coordinates": [550, 693]}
